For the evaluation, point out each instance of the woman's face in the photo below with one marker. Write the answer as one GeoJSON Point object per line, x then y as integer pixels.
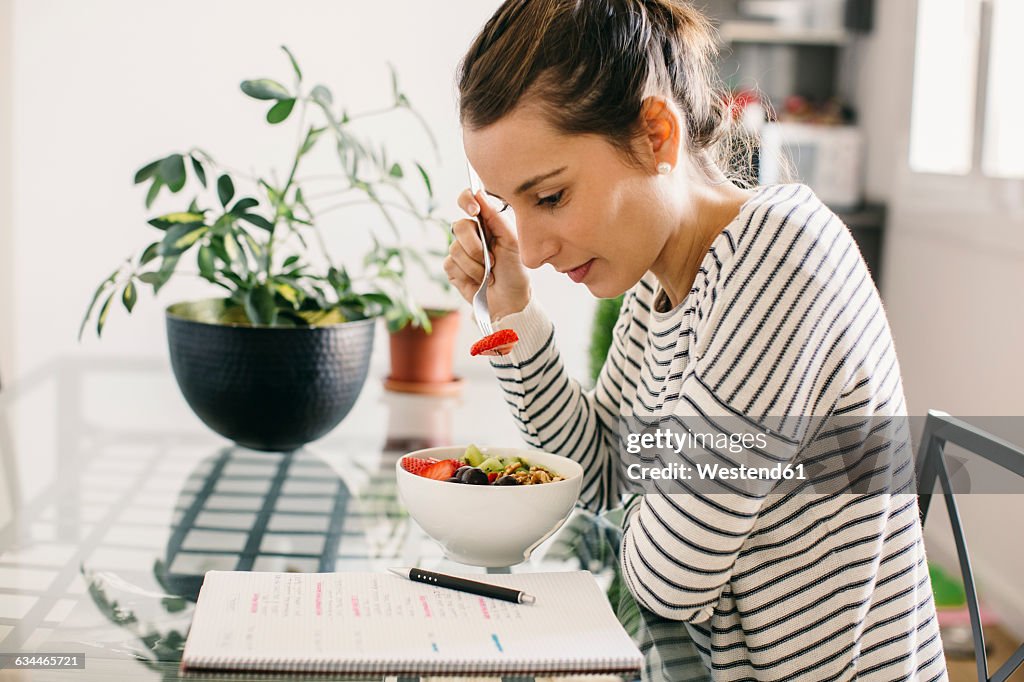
{"type": "Point", "coordinates": [578, 206]}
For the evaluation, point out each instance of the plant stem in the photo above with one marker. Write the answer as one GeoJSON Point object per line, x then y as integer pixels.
{"type": "Point", "coordinates": [373, 112]}
{"type": "Point", "coordinates": [287, 185]}
{"type": "Point", "coordinates": [370, 202]}
{"type": "Point", "coordinates": [324, 195]}
{"type": "Point", "coordinates": [329, 176]}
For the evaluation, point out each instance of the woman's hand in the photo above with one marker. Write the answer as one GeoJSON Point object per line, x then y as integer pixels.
{"type": "Point", "coordinates": [509, 289]}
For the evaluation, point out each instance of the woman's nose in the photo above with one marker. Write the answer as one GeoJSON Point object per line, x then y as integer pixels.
{"type": "Point", "coordinates": [535, 247]}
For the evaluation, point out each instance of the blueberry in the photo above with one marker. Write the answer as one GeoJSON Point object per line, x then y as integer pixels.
{"type": "Point", "coordinates": [507, 480]}
{"type": "Point", "coordinates": [461, 470]}
{"type": "Point", "coordinates": [475, 477]}
{"type": "Point", "coordinates": [453, 479]}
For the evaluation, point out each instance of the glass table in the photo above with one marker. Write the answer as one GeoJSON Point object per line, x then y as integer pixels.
{"type": "Point", "coordinates": [115, 499]}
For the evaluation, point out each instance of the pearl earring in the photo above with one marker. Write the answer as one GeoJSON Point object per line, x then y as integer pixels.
{"type": "Point", "coordinates": [664, 168]}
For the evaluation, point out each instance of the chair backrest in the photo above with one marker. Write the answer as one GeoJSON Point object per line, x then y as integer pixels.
{"type": "Point", "coordinates": [940, 429]}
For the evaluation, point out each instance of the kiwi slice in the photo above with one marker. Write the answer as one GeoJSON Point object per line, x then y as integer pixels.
{"type": "Point", "coordinates": [473, 456]}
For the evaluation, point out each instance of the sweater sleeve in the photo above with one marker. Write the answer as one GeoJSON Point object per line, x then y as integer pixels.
{"type": "Point", "coordinates": [554, 412]}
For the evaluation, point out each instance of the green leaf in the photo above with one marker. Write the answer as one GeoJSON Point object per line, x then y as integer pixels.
{"type": "Point", "coordinates": [217, 244]}
{"type": "Point", "coordinates": [172, 171]}
{"type": "Point", "coordinates": [426, 180]}
{"type": "Point", "coordinates": [150, 277]}
{"type": "Point", "coordinates": [243, 205]}
{"type": "Point", "coordinates": [146, 172]}
{"type": "Point", "coordinates": [311, 137]}
{"type": "Point", "coordinates": [289, 261]}
{"type": "Point", "coordinates": [322, 96]}
{"type": "Point", "coordinates": [259, 305]}
{"type": "Point", "coordinates": [232, 249]}
{"type": "Point", "coordinates": [233, 278]}
{"type": "Point", "coordinates": [206, 262]}
{"type": "Point", "coordinates": [151, 252]}
{"type": "Point", "coordinates": [295, 64]}
{"type": "Point", "coordinates": [254, 247]}
{"type": "Point", "coordinates": [199, 170]}
{"type": "Point", "coordinates": [258, 221]}
{"type": "Point", "coordinates": [339, 279]}
{"type": "Point", "coordinates": [129, 296]}
{"type": "Point", "coordinates": [265, 88]}
{"type": "Point", "coordinates": [180, 218]}
{"type": "Point", "coordinates": [378, 298]}
{"type": "Point", "coordinates": [180, 237]}
{"type": "Point", "coordinates": [104, 311]}
{"type": "Point", "coordinates": [396, 171]}
{"type": "Point", "coordinates": [165, 273]}
{"type": "Point", "coordinates": [95, 297]}
{"type": "Point", "coordinates": [280, 111]}
{"type": "Point", "coordinates": [288, 293]}
{"type": "Point", "coordinates": [225, 189]}
{"type": "Point", "coordinates": [154, 189]}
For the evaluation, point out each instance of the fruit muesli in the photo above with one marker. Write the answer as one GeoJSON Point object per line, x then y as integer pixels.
{"type": "Point", "coordinates": [475, 467]}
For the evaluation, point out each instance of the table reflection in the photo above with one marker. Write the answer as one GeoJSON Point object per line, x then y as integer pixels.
{"type": "Point", "coordinates": [113, 522]}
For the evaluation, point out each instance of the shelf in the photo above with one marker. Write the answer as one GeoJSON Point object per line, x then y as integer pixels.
{"type": "Point", "coordinates": [773, 34]}
{"type": "Point", "coordinates": [869, 216]}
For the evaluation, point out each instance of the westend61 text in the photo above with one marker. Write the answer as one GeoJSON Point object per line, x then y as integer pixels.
{"type": "Point", "coordinates": [716, 472]}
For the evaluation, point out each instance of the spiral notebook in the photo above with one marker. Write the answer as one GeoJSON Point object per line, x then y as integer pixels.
{"type": "Point", "coordinates": [385, 625]}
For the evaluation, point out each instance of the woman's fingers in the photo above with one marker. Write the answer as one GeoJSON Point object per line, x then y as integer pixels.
{"type": "Point", "coordinates": [495, 223]}
{"type": "Point", "coordinates": [467, 236]}
{"type": "Point", "coordinates": [464, 283]}
{"type": "Point", "coordinates": [509, 287]}
{"type": "Point", "coordinates": [468, 203]}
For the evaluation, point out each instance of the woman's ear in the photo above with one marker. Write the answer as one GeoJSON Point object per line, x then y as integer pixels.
{"type": "Point", "coordinates": [662, 125]}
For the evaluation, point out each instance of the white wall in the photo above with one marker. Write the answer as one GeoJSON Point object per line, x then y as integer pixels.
{"type": "Point", "coordinates": [102, 87]}
{"type": "Point", "coordinates": [6, 229]}
{"type": "Point", "coordinates": [953, 278]}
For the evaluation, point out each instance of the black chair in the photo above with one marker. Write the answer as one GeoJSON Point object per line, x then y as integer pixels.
{"type": "Point", "coordinates": [940, 429]}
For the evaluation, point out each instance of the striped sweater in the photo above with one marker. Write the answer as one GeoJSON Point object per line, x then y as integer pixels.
{"type": "Point", "coordinates": [782, 319]}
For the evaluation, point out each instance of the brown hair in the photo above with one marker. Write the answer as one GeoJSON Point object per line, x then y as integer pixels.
{"type": "Point", "coordinates": [590, 63]}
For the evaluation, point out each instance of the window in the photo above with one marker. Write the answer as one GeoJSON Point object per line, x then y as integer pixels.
{"type": "Point", "coordinates": [1003, 150]}
{"type": "Point", "coordinates": [949, 79]}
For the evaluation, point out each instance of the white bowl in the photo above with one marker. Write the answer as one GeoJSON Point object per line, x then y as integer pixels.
{"type": "Point", "coordinates": [490, 525]}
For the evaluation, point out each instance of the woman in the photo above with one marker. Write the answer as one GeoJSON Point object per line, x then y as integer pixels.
{"type": "Point", "coordinates": [599, 124]}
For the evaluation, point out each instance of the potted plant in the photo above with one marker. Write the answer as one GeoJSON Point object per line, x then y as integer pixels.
{"type": "Point", "coordinates": [279, 358]}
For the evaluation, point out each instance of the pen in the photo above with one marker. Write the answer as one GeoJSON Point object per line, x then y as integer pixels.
{"type": "Point", "coordinates": [463, 585]}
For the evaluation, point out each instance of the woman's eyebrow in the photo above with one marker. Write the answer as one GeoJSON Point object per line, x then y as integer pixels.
{"type": "Point", "coordinates": [525, 187]}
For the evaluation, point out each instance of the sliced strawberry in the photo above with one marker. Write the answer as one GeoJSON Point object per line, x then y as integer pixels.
{"type": "Point", "coordinates": [441, 471]}
{"type": "Point", "coordinates": [498, 343]}
{"type": "Point", "coordinates": [492, 476]}
{"type": "Point", "coordinates": [503, 349]}
{"type": "Point", "coordinates": [416, 465]}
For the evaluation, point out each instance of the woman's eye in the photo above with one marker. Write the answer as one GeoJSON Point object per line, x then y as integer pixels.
{"type": "Point", "coordinates": [551, 200]}
{"type": "Point", "coordinates": [504, 205]}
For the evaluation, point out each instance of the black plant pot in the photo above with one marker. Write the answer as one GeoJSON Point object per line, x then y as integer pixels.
{"type": "Point", "coordinates": [267, 388]}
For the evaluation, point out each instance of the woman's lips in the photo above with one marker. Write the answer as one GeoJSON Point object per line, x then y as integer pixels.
{"type": "Point", "coordinates": [577, 274]}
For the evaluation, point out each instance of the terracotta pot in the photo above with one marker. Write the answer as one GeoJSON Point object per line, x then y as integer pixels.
{"type": "Point", "coordinates": [421, 358]}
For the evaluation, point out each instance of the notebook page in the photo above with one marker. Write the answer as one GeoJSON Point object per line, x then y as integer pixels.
{"type": "Point", "coordinates": [375, 617]}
